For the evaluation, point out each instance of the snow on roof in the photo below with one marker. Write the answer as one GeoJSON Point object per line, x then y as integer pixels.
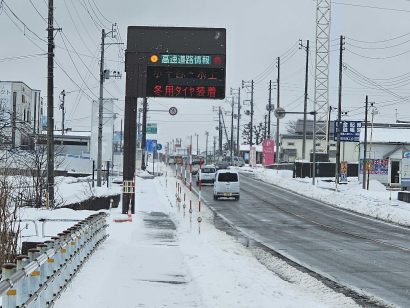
{"type": "Point", "coordinates": [386, 135]}
{"type": "Point", "coordinates": [245, 147]}
{"type": "Point", "coordinates": [72, 133]}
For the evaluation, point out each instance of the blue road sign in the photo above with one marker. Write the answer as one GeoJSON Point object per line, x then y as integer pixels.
{"type": "Point", "coordinates": [151, 145]}
{"type": "Point", "coordinates": [159, 146]}
{"type": "Point", "coordinates": [349, 130]}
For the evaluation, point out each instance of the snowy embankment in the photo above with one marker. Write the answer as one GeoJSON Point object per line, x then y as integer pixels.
{"type": "Point", "coordinates": [374, 202]}
{"type": "Point", "coordinates": [68, 190]}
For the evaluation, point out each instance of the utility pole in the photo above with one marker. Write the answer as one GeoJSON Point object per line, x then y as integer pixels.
{"type": "Point", "coordinates": [144, 131]}
{"type": "Point", "coordinates": [214, 147]}
{"type": "Point", "coordinates": [206, 147]}
{"type": "Point", "coordinates": [264, 129]}
{"type": "Point", "coordinates": [220, 132]}
{"type": "Point", "coordinates": [328, 129]}
{"type": "Point", "coordinates": [121, 138]}
{"type": "Point", "coordinates": [306, 96]}
{"type": "Point", "coordinates": [269, 107]}
{"type": "Point", "coordinates": [339, 111]}
{"type": "Point", "coordinates": [62, 107]}
{"type": "Point", "coordinates": [251, 132]}
{"type": "Point", "coordinates": [238, 93]}
{"type": "Point", "coordinates": [246, 84]}
{"type": "Point", "coordinates": [232, 105]}
{"type": "Point", "coordinates": [50, 105]}
{"type": "Point", "coordinates": [239, 119]}
{"type": "Point", "coordinates": [364, 164]}
{"type": "Point", "coordinates": [100, 110]}
{"type": "Point", "coordinates": [197, 147]}
{"type": "Point", "coordinates": [277, 119]}
{"type": "Point", "coordinates": [101, 103]}
{"type": "Point", "coordinates": [139, 127]}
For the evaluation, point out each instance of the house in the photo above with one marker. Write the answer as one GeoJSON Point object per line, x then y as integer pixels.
{"type": "Point", "coordinates": [385, 146]}
{"type": "Point", "coordinates": [292, 145]}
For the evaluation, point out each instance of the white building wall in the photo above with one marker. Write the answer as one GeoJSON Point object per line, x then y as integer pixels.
{"type": "Point", "coordinates": [18, 100]}
{"type": "Point", "coordinates": [349, 151]}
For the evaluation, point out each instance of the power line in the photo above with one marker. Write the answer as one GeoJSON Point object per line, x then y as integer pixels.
{"type": "Point", "coordinates": [372, 7]}
{"type": "Point", "coordinates": [22, 57]}
{"type": "Point", "coordinates": [35, 8]}
{"type": "Point", "coordinates": [378, 58]}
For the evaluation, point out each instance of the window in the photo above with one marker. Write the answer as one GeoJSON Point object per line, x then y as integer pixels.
{"type": "Point", "coordinates": [208, 170]}
{"type": "Point", "coordinates": [228, 177]}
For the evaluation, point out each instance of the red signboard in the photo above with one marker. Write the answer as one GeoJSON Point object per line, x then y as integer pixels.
{"type": "Point", "coordinates": [268, 150]}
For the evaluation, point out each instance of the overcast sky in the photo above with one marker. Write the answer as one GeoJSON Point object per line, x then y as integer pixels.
{"type": "Point", "coordinates": [377, 47]}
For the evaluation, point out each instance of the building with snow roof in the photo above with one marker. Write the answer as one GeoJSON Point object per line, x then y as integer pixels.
{"type": "Point", "coordinates": [386, 144]}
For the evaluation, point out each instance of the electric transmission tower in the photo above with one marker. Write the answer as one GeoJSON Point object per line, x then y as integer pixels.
{"type": "Point", "coordinates": [322, 73]}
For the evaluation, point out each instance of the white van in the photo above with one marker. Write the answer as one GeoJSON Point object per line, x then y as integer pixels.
{"type": "Point", "coordinates": [206, 175]}
{"type": "Point", "coordinates": [226, 184]}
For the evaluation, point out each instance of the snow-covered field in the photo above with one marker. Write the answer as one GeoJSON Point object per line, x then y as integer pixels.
{"type": "Point", "coordinates": [166, 258]}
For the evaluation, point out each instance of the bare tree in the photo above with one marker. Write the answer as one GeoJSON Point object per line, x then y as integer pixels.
{"type": "Point", "coordinates": [9, 223]}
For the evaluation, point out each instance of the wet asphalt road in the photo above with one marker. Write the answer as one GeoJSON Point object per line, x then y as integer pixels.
{"type": "Point", "coordinates": [365, 254]}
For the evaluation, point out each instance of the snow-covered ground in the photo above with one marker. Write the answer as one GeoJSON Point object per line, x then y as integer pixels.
{"type": "Point", "coordinates": [166, 258]}
{"type": "Point", "coordinates": [178, 262]}
{"type": "Point", "coordinates": [377, 202]}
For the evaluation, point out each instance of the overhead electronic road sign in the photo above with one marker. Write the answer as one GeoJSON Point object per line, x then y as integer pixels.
{"type": "Point", "coordinates": [350, 130]}
{"type": "Point", "coordinates": [169, 62]}
{"type": "Point", "coordinates": [177, 62]}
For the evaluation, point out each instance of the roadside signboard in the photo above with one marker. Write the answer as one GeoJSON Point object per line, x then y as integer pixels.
{"type": "Point", "coordinates": [151, 145]}
{"type": "Point", "coordinates": [159, 146]}
{"type": "Point", "coordinates": [268, 150]}
{"type": "Point", "coordinates": [151, 128]}
{"type": "Point", "coordinates": [405, 170]}
{"type": "Point", "coordinates": [252, 156]}
{"type": "Point", "coordinates": [343, 172]}
{"type": "Point", "coordinates": [376, 166]}
{"type": "Point", "coordinates": [349, 130]}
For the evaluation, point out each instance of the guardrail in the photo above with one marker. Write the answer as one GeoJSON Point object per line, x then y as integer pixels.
{"type": "Point", "coordinates": [38, 279]}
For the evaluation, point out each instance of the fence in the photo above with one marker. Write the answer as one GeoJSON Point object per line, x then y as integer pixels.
{"type": "Point", "coordinates": [38, 279]}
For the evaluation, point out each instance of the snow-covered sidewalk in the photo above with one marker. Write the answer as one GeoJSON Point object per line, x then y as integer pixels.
{"type": "Point", "coordinates": [165, 258]}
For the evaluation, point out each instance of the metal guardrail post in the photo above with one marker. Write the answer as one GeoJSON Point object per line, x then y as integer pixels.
{"type": "Point", "coordinates": [22, 286]}
{"type": "Point", "coordinates": [51, 271]}
{"type": "Point", "coordinates": [69, 254]}
{"type": "Point", "coordinates": [34, 277]}
{"type": "Point", "coordinates": [43, 275]}
{"type": "Point", "coordinates": [9, 300]}
{"type": "Point", "coordinates": [57, 266]}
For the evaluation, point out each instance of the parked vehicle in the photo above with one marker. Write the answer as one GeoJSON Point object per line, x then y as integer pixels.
{"type": "Point", "coordinates": [226, 184]}
{"type": "Point", "coordinates": [206, 175]}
